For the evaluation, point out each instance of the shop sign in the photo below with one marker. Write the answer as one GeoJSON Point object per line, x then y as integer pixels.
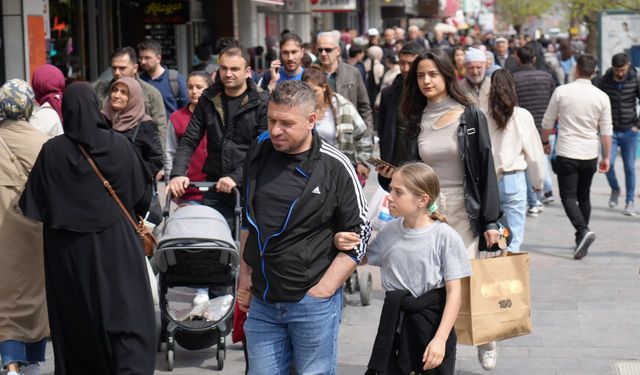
{"type": "Point", "coordinates": [165, 12]}
{"type": "Point", "coordinates": [333, 5]}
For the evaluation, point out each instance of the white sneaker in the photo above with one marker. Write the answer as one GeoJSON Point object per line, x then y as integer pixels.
{"type": "Point", "coordinates": [533, 211]}
{"type": "Point", "coordinates": [488, 355]}
{"type": "Point", "coordinates": [12, 373]}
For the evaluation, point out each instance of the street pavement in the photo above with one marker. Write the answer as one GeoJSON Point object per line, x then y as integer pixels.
{"type": "Point", "coordinates": [586, 313]}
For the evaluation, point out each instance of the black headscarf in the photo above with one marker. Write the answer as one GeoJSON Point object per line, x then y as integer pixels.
{"type": "Point", "coordinates": [64, 192]}
{"type": "Point", "coordinates": [81, 114]}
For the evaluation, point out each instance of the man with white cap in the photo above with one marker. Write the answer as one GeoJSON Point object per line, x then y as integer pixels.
{"type": "Point", "coordinates": [502, 55]}
{"type": "Point", "coordinates": [374, 37]}
{"type": "Point", "coordinates": [475, 85]}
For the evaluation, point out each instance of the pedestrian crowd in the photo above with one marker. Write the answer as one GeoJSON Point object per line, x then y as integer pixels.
{"type": "Point", "coordinates": [469, 131]}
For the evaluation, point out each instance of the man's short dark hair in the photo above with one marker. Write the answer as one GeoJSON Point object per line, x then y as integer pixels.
{"type": "Point", "coordinates": [619, 60]}
{"type": "Point", "coordinates": [151, 45]}
{"type": "Point", "coordinates": [226, 41]}
{"type": "Point", "coordinates": [526, 54]}
{"type": "Point", "coordinates": [290, 36]}
{"type": "Point", "coordinates": [203, 51]}
{"type": "Point", "coordinates": [586, 65]}
{"type": "Point", "coordinates": [411, 48]}
{"type": "Point", "coordinates": [126, 51]}
{"type": "Point", "coordinates": [355, 50]}
{"type": "Point", "coordinates": [235, 51]}
{"type": "Point", "coordinates": [294, 94]}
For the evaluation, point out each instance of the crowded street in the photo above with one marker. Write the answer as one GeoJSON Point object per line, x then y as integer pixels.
{"type": "Point", "coordinates": [585, 319]}
{"type": "Point", "coordinates": [335, 187]}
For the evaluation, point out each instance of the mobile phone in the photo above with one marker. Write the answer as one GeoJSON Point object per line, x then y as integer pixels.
{"type": "Point", "coordinates": [376, 162]}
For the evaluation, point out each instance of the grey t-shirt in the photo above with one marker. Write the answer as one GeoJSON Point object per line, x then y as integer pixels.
{"type": "Point", "coordinates": [418, 260]}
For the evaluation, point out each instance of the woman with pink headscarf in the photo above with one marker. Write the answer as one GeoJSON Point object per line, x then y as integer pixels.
{"type": "Point", "coordinates": [48, 84]}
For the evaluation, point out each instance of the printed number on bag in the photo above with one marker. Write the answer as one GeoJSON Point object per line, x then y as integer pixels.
{"type": "Point", "coordinates": [505, 303]}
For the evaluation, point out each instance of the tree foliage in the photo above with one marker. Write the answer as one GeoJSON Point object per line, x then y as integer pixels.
{"type": "Point", "coordinates": [517, 11]}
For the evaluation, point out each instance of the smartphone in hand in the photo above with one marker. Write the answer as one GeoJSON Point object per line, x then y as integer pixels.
{"type": "Point", "coordinates": [377, 161]}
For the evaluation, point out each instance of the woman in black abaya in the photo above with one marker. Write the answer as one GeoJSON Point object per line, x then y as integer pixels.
{"type": "Point", "coordinates": [100, 306]}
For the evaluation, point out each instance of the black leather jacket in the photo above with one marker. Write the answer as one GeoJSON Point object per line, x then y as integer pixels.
{"type": "Point", "coordinates": [227, 144]}
{"type": "Point", "coordinates": [482, 199]}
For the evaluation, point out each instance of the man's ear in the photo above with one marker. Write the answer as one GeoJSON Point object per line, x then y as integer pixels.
{"type": "Point", "coordinates": [313, 117]}
{"type": "Point", "coordinates": [135, 68]}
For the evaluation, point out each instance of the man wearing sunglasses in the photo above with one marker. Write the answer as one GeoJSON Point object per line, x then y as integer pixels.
{"type": "Point", "coordinates": [343, 78]}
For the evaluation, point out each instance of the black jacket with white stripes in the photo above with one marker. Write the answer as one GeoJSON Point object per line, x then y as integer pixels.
{"type": "Point", "coordinates": [289, 263]}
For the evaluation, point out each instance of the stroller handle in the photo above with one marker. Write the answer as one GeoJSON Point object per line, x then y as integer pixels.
{"type": "Point", "coordinates": [206, 186]}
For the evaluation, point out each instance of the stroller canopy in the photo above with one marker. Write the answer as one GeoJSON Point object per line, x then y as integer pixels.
{"type": "Point", "coordinates": [200, 223]}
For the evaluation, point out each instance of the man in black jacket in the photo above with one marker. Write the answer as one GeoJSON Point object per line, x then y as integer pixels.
{"type": "Point", "coordinates": [232, 113]}
{"type": "Point", "coordinates": [392, 124]}
{"type": "Point", "coordinates": [622, 84]}
{"type": "Point", "coordinates": [299, 192]}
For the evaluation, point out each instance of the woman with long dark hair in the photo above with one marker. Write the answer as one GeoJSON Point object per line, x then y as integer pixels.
{"type": "Point", "coordinates": [516, 148]}
{"type": "Point", "coordinates": [450, 135]}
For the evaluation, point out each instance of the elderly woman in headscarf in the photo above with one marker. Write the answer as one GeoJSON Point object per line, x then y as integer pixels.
{"type": "Point", "coordinates": [100, 306]}
{"type": "Point", "coordinates": [125, 112]}
{"type": "Point", "coordinates": [23, 312]}
{"type": "Point", "coordinates": [48, 84]}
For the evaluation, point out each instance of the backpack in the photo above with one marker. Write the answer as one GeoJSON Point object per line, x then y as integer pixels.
{"type": "Point", "coordinates": [175, 86]}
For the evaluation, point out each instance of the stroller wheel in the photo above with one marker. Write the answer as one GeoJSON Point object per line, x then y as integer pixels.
{"type": "Point", "coordinates": [365, 281]}
{"type": "Point", "coordinates": [352, 281]}
{"type": "Point", "coordinates": [170, 359]}
{"type": "Point", "coordinates": [220, 355]}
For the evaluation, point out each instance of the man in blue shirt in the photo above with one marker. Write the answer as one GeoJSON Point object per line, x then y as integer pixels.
{"type": "Point", "coordinates": [289, 66]}
{"type": "Point", "coordinates": [169, 82]}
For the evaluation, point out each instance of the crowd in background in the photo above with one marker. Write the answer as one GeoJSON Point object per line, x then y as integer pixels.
{"type": "Point", "coordinates": [407, 92]}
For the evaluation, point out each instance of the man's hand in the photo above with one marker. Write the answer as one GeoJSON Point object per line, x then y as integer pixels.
{"type": "Point", "coordinates": [321, 291]}
{"type": "Point", "coordinates": [225, 184]}
{"type": "Point", "coordinates": [160, 175]}
{"type": "Point", "coordinates": [178, 185]}
{"type": "Point", "coordinates": [362, 170]}
{"type": "Point", "coordinates": [243, 296]}
{"type": "Point", "coordinates": [385, 170]}
{"type": "Point", "coordinates": [604, 165]}
{"type": "Point", "coordinates": [275, 74]}
{"type": "Point", "coordinates": [346, 241]}
{"type": "Point", "coordinates": [547, 149]}
{"type": "Point", "coordinates": [433, 354]}
{"type": "Point", "coordinates": [491, 237]}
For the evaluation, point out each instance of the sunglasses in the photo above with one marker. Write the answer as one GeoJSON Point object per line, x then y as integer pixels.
{"type": "Point", "coordinates": [327, 50]}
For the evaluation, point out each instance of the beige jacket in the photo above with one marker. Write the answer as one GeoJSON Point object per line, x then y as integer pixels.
{"type": "Point", "coordinates": [478, 97]}
{"type": "Point", "coordinates": [23, 308]}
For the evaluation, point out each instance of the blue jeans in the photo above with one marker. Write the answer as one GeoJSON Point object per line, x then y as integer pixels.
{"type": "Point", "coordinates": [513, 199]}
{"type": "Point", "coordinates": [548, 173]}
{"type": "Point", "coordinates": [533, 197]}
{"type": "Point", "coordinates": [628, 143]}
{"type": "Point", "coordinates": [303, 333]}
{"type": "Point", "coordinates": [22, 353]}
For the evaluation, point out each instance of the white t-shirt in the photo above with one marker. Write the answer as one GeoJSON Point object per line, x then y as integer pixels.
{"type": "Point", "coordinates": [418, 260]}
{"type": "Point", "coordinates": [46, 120]}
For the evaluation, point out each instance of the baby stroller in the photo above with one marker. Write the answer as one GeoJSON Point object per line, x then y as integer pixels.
{"type": "Point", "coordinates": [197, 250]}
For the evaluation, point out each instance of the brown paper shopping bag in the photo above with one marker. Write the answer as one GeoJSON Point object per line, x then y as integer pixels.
{"type": "Point", "coordinates": [496, 300]}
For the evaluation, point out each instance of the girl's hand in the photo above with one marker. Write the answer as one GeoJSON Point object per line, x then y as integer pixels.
{"type": "Point", "coordinates": [491, 237]}
{"type": "Point", "coordinates": [346, 241]}
{"type": "Point", "coordinates": [433, 354]}
{"type": "Point", "coordinates": [385, 170]}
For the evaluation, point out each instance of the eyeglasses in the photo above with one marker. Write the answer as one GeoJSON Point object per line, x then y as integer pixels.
{"type": "Point", "coordinates": [327, 50]}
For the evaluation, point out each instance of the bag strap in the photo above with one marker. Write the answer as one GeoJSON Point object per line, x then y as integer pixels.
{"type": "Point", "coordinates": [173, 81]}
{"type": "Point", "coordinates": [135, 134]}
{"type": "Point", "coordinates": [109, 188]}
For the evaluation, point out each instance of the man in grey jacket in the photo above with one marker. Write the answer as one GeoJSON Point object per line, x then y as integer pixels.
{"type": "Point", "coordinates": [343, 78]}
